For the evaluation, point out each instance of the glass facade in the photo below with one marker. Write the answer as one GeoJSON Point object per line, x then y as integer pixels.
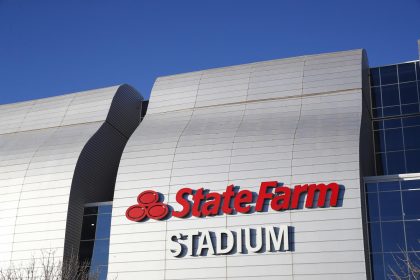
{"type": "Point", "coordinates": [393, 215]}
{"type": "Point", "coordinates": [395, 92]}
{"type": "Point", "coordinates": [94, 241]}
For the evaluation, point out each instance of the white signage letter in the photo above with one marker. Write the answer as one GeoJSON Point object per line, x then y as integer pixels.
{"type": "Point", "coordinates": [258, 240]}
{"type": "Point", "coordinates": [204, 242]}
{"type": "Point", "coordinates": [230, 242]}
{"type": "Point", "coordinates": [283, 236]}
{"type": "Point", "coordinates": [176, 247]}
{"type": "Point", "coordinates": [190, 246]}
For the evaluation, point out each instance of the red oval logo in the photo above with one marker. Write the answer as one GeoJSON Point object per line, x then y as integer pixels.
{"type": "Point", "coordinates": [157, 211]}
{"type": "Point", "coordinates": [136, 213]}
{"type": "Point", "coordinates": [148, 197]}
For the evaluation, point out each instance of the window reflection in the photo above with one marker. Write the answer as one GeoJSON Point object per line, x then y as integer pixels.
{"type": "Point", "coordinates": [94, 244]}
{"type": "Point", "coordinates": [373, 207]}
{"type": "Point", "coordinates": [406, 72]}
{"type": "Point", "coordinates": [397, 145]}
{"type": "Point", "coordinates": [408, 93]}
{"type": "Point", "coordinates": [390, 95]}
{"type": "Point", "coordinates": [412, 229]}
{"type": "Point", "coordinates": [388, 74]}
{"type": "Point", "coordinates": [411, 201]}
{"type": "Point", "coordinates": [393, 214]}
{"type": "Point", "coordinates": [395, 162]}
{"type": "Point", "coordinates": [395, 108]}
{"type": "Point", "coordinates": [394, 262]}
{"type": "Point", "coordinates": [375, 237]}
{"type": "Point", "coordinates": [413, 162]}
{"type": "Point", "coordinates": [412, 137]}
{"type": "Point", "coordinates": [374, 77]}
{"type": "Point", "coordinates": [390, 206]}
{"type": "Point", "coordinates": [393, 236]}
{"type": "Point", "coordinates": [377, 266]}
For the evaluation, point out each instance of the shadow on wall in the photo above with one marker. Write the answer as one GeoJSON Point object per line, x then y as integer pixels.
{"type": "Point", "coordinates": [96, 169]}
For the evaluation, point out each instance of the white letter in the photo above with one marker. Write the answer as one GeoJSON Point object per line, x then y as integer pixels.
{"type": "Point", "coordinates": [205, 238]}
{"type": "Point", "coordinates": [239, 240]}
{"type": "Point", "coordinates": [229, 241]}
{"type": "Point", "coordinates": [175, 247]}
{"type": "Point", "coordinates": [270, 235]}
{"type": "Point", "coordinates": [190, 245]}
{"type": "Point", "coordinates": [258, 240]}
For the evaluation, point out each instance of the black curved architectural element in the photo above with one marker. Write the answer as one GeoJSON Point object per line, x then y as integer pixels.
{"type": "Point", "coordinates": [96, 169]}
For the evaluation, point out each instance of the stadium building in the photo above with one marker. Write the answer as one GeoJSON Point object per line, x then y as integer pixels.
{"type": "Point", "coordinates": [301, 168]}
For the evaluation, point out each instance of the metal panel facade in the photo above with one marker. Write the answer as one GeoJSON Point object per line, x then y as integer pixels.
{"type": "Point", "coordinates": [295, 121]}
{"type": "Point", "coordinates": [40, 143]}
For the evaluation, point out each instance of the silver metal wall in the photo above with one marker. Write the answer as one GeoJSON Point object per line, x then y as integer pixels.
{"type": "Point", "coordinates": [40, 143]}
{"type": "Point", "coordinates": [294, 120]}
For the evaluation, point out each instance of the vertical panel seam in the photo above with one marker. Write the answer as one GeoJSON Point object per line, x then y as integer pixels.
{"type": "Point", "coordinates": [172, 167]}
{"type": "Point", "coordinates": [21, 189]}
{"type": "Point", "coordinates": [24, 117]}
{"type": "Point", "coordinates": [293, 150]}
{"type": "Point", "coordinates": [231, 150]}
{"type": "Point", "coordinates": [67, 109]}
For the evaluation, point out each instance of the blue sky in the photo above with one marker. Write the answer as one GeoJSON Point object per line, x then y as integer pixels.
{"type": "Point", "coordinates": [52, 47]}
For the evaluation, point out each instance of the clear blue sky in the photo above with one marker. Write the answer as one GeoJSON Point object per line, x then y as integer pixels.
{"type": "Point", "coordinates": [54, 47]}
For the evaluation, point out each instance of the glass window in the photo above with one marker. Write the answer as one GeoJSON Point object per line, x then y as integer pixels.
{"type": "Point", "coordinates": [394, 263]}
{"type": "Point", "coordinates": [390, 95]}
{"type": "Point", "coordinates": [412, 231]}
{"type": "Point", "coordinates": [412, 137]}
{"type": "Point", "coordinates": [88, 227]}
{"type": "Point", "coordinates": [375, 240]}
{"type": "Point", "coordinates": [373, 207]}
{"type": "Point", "coordinates": [395, 162]}
{"type": "Point", "coordinates": [414, 259]}
{"type": "Point", "coordinates": [411, 121]}
{"type": "Point", "coordinates": [381, 167]}
{"type": "Point", "coordinates": [406, 72]}
{"type": "Point", "coordinates": [105, 209]}
{"type": "Point", "coordinates": [388, 74]}
{"type": "Point", "coordinates": [390, 206]}
{"type": "Point", "coordinates": [100, 258]}
{"type": "Point", "coordinates": [90, 210]}
{"type": "Point", "coordinates": [377, 113]}
{"type": "Point", "coordinates": [411, 204]}
{"type": "Point", "coordinates": [94, 244]}
{"type": "Point", "coordinates": [378, 125]}
{"type": "Point", "coordinates": [99, 272]}
{"type": "Point", "coordinates": [380, 141]}
{"type": "Point", "coordinates": [408, 93]}
{"type": "Point", "coordinates": [374, 76]}
{"type": "Point", "coordinates": [410, 184]}
{"type": "Point", "coordinates": [394, 140]}
{"type": "Point", "coordinates": [100, 252]}
{"type": "Point", "coordinates": [389, 186]}
{"type": "Point", "coordinates": [393, 236]}
{"type": "Point", "coordinates": [410, 109]}
{"type": "Point", "coordinates": [376, 97]}
{"type": "Point", "coordinates": [413, 162]}
{"type": "Point", "coordinates": [377, 266]}
{"type": "Point", "coordinates": [398, 229]}
{"type": "Point", "coordinates": [103, 226]}
{"type": "Point", "coordinates": [391, 111]}
{"type": "Point", "coordinates": [85, 251]}
{"type": "Point", "coordinates": [371, 187]}
{"type": "Point", "coordinates": [392, 123]}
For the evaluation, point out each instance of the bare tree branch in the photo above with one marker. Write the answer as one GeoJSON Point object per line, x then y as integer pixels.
{"type": "Point", "coordinates": [49, 267]}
